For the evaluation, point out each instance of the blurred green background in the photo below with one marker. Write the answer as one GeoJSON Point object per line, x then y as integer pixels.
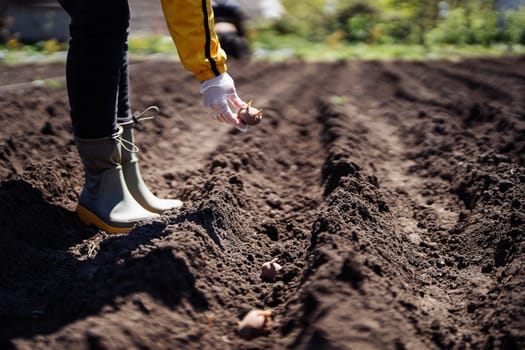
{"type": "Point", "coordinates": [337, 29]}
{"type": "Point", "coordinates": [477, 22]}
{"type": "Point", "coordinates": [396, 29]}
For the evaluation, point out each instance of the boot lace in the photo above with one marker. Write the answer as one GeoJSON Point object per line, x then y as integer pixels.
{"type": "Point", "coordinates": [147, 114]}
{"type": "Point", "coordinates": [128, 145]}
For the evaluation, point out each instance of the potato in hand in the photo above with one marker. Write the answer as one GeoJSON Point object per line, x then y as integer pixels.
{"type": "Point", "coordinates": [250, 115]}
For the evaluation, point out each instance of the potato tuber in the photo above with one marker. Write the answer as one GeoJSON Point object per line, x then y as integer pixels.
{"type": "Point", "coordinates": [269, 270]}
{"type": "Point", "coordinates": [250, 115]}
{"type": "Point", "coordinates": [255, 323]}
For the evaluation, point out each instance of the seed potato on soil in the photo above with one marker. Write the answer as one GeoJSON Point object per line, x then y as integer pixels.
{"type": "Point", "coordinates": [269, 270]}
{"type": "Point", "coordinates": [255, 323]}
{"type": "Point", "coordinates": [394, 196]}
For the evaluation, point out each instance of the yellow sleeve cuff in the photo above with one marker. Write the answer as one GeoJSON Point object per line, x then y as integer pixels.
{"type": "Point", "coordinates": [190, 23]}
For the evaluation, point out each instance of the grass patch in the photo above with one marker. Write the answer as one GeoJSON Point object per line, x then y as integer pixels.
{"type": "Point", "coordinates": [151, 44]}
{"type": "Point", "coordinates": [55, 84]}
{"type": "Point", "coordinates": [276, 48]}
{"type": "Point", "coordinates": [268, 46]}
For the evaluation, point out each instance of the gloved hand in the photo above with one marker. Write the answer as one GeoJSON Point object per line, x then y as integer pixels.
{"type": "Point", "coordinates": [216, 92]}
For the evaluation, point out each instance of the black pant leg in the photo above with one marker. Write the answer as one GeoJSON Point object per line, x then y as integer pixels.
{"type": "Point", "coordinates": [97, 65]}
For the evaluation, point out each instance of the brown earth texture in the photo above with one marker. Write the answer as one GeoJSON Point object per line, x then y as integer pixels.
{"type": "Point", "coordinates": [392, 194]}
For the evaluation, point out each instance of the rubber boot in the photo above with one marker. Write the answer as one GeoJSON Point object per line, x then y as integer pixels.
{"type": "Point", "coordinates": [105, 201]}
{"type": "Point", "coordinates": [134, 181]}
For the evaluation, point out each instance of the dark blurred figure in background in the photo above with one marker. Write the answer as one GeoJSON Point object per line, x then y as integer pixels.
{"type": "Point", "coordinates": [4, 27]}
{"type": "Point", "coordinates": [229, 26]}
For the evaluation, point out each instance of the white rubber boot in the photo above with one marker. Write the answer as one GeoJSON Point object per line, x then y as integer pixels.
{"type": "Point", "coordinates": [134, 181]}
{"type": "Point", "coordinates": [105, 200]}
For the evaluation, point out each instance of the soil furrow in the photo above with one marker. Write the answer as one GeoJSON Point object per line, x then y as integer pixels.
{"type": "Point", "coordinates": [392, 194]}
{"type": "Point", "coordinates": [416, 220]}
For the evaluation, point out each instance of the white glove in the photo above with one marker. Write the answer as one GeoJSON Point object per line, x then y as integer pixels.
{"type": "Point", "coordinates": [216, 92]}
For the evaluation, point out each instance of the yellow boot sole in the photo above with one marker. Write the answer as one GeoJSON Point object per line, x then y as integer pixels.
{"type": "Point", "coordinates": [89, 218]}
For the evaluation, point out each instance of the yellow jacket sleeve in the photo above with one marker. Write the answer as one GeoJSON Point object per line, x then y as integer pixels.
{"type": "Point", "coordinates": [190, 23]}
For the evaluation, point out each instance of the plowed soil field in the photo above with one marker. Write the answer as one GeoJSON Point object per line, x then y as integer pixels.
{"type": "Point", "coordinates": [392, 193]}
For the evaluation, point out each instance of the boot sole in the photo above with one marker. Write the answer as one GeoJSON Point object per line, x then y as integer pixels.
{"type": "Point", "coordinates": [89, 218]}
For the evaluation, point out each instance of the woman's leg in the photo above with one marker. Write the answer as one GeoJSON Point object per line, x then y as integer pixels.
{"type": "Point", "coordinates": [97, 65]}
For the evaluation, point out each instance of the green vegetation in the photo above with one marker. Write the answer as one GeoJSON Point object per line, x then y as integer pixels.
{"type": "Point", "coordinates": [390, 29]}
{"type": "Point", "coordinates": [56, 84]}
{"type": "Point", "coordinates": [151, 44]}
{"type": "Point", "coordinates": [13, 51]}
{"type": "Point", "coordinates": [279, 48]}
{"type": "Point", "coordinates": [414, 22]}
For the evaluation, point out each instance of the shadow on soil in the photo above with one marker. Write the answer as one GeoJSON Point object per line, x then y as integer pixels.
{"type": "Point", "coordinates": [44, 287]}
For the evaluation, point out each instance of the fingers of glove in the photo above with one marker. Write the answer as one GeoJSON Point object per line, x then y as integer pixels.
{"type": "Point", "coordinates": [236, 100]}
{"type": "Point", "coordinates": [224, 113]}
{"type": "Point", "coordinates": [221, 119]}
{"type": "Point", "coordinates": [216, 94]}
{"type": "Point", "coordinates": [215, 113]}
{"type": "Point", "coordinates": [232, 119]}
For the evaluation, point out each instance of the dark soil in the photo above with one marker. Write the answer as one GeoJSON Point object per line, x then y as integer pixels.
{"type": "Point", "coordinates": [392, 193]}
